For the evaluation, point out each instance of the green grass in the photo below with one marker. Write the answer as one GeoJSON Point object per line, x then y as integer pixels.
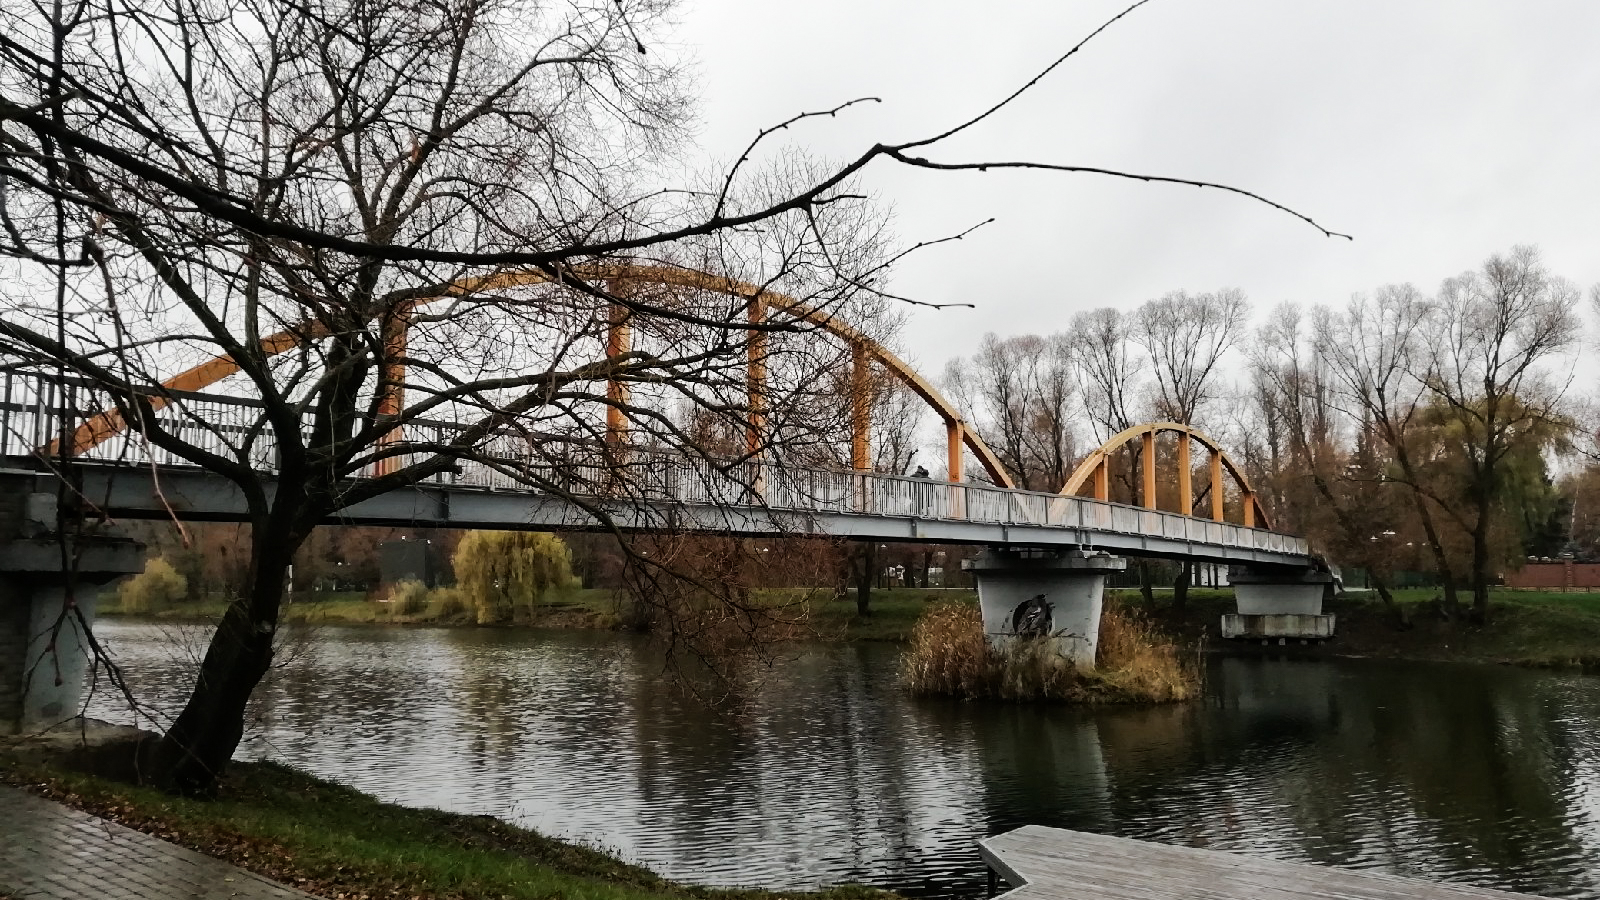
{"type": "Point", "coordinates": [1540, 628]}
{"type": "Point", "coordinates": [1531, 628]}
{"type": "Point", "coordinates": [893, 612]}
{"type": "Point", "coordinates": [334, 840]}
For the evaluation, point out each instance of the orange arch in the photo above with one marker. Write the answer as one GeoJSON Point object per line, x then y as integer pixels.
{"type": "Point", "coordinates": [106, 425]}
{"type": "Point", "coordinates": [1095, 466]}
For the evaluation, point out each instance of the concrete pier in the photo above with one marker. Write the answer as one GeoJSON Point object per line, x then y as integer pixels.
{"type": "Point", "coordinates": [1279, 604]}
{"type": "Point", "coordinates": [43, 654]}
{"type": "Point", "coordinates": [1045, 594]}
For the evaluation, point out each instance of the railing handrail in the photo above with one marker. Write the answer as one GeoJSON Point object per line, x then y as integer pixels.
{"type": "Point", "coordinates": [754, 483]}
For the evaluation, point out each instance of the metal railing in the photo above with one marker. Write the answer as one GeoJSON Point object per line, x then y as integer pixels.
{"type": "Point", "coordinates": [32, 410]}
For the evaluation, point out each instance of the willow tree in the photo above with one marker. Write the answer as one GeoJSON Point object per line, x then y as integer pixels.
{"type": "Point", "coordinates": [373, 216]}
{"type": "Point", "coordinates": [1497, 373]}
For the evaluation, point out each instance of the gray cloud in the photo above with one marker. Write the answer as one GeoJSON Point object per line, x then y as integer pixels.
{"type": "Point", "coordinates": [1434, 132]}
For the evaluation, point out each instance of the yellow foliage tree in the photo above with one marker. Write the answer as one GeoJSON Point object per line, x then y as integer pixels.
{"type": "Point", "coordinates": [503, 574]}
{"type": "Point", "coordinates": [157, 587]}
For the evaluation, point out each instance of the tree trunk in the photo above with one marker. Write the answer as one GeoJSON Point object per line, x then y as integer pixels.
{"type": "Point", "coordinates": [1480, 566]}
{"type": "Point", "coordinates": [864, 578]}
{"type": "Point", "coordinates": [1389, 604]}
{"type": "Point", "coordinates": [1146, 588]}
{"type": "Point", "coordinates": [1452, 603]}
{"type": "Point", "coordinates": [1180, 586]}
{"type": "Point", "coordinates": [197, 748]}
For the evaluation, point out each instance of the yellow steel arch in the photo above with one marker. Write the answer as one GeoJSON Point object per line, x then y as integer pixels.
{"type": "Point", "coordinates": [864, 349]}
{"type": "Point", "coordinates": [1095, 465]}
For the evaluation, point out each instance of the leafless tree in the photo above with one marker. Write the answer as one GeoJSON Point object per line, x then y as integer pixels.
{"type": "Point", "coordinates": [1020, 391]}
{"type": "Point", "coordinates": [1108, 370]}
{"type": "Point", "coordinates": [1497, 332]}
{"type": "Point", "coordinates": [1348, 503]}
{"type": "Point", "coordinates": [1374, 348]}
{"type": "Point", "coordinates": [371, 217]}
{"type": "Point", "coordinates": [1186, 336]}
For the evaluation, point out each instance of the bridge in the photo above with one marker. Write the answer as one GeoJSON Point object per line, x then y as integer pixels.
{"type": "Point", "coordinates": [652, 490]}
{"type": "Point", "coordinates": [1057, 544]}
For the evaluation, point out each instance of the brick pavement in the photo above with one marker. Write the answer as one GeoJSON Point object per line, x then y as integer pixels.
{"type": "Point", "coordinates": [48, 850]}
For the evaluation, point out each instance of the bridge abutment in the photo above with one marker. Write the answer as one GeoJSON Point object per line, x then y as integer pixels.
{"type": "Point", "coordinates": [43, 652]}
{"type": "Point", "coordinates": [1044, 594]}
{"type": "Point", "coordinates": [1278, 604]}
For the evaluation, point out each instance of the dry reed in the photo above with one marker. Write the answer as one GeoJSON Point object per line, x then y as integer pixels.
{"type": "Point", "coordinates": [1135, 663]}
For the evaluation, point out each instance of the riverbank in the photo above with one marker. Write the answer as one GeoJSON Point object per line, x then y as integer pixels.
{"type": "Point", "coordinates": [335, 841]}
{"type": "Point", "coordinates": [894, 612]}
{"type": "Point", "coordinates": [1528, 628]}
{"type": "Point", "coordinates": [1545, 629]}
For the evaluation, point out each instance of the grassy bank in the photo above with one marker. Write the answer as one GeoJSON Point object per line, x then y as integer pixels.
{"type": "Point", "coordinates": [894, 612]}
{"type": "Point", "coordinates": [337, 842]}
{"type": "Point", "coordinates": [1530, 628]}
{"type": "Point", "coordinates": [1534, 628]}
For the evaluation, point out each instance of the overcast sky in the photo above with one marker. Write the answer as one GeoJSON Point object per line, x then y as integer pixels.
{"type": "Point", "coordinates": [1435, 132]}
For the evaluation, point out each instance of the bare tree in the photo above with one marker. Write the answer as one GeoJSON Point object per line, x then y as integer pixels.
{"type": "Point", "coordinates": [366, 217]}
{"type": "Point", "coordinates": [1348, 506]}
{"type": "Point", "coordinates": [488, 136]}
{"type": "Point", "coordinates": [1496, 332]}
{"type": "Point", "coordinates": [1108, 371]}
{"type": "Point", "coordinates": [1186, 336]}
{"type": "Point", "coordinates": [1021, 392]}
{"type": "Point", "coordinates": [1374, 347]}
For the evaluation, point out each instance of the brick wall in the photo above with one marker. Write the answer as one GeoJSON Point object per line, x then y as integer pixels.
{"type": "Point", "coordinates": [1555, 575]}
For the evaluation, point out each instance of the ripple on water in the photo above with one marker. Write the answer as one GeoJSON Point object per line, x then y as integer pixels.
{"type": "Point", "coordinates": [826, 772]}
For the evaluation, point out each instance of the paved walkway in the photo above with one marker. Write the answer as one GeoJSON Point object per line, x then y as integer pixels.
{"type": "Point", "coordinates": [48, 850]}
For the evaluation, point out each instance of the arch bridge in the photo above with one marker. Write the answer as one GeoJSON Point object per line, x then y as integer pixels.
{"type": "Point", "coordinates": [694, 493]}
{"type": "Point", "coordinates": [1042, 544]}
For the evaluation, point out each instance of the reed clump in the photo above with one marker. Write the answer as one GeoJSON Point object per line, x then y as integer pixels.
{"type": "Point", "coordinates": [408, 597]}
{"type": "Point", "coordinates": [1135, 663]}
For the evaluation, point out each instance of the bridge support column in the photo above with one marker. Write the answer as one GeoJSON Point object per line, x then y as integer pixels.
{"type": "Point", "coordinates": [1071, 584]}
{"type": "Point", "coordinates": [42, 666]}
{"type": "Point", "coordinates": [1278, 604]}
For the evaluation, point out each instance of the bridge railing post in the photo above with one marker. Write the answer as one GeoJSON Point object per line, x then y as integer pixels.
{"type": "Point", "coordinates": [6, 422]}
{"type": "Point", "coordinates": [41, 397]}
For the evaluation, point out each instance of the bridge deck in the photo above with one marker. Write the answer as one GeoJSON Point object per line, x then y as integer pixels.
{"type": "Point", "coordinates": [868, 507]}
{"type": "Point", "coordinates": [1055, 863]}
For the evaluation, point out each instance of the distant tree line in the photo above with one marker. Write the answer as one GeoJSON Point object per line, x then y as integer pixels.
{"type": "Point", "coordinates": [1396, 430]}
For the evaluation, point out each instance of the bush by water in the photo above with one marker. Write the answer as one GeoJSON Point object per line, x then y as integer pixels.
{"type": "Point", "coordinates": [158, 587]}
{"type": "Point", "coordinates": [1135, 663]}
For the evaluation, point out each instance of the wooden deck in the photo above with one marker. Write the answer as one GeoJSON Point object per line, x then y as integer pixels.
{"type": "Point", "coordinates": [1055, 863]}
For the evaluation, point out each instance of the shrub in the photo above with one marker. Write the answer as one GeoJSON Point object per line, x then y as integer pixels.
{"type": "Point", "coordinates": [1135, 659]}
{"type": "Point", "coordinates": [504, 574]}
{"type": "Point", "coordinates": [407, 597]}
{"type": "Point", "coordinates": [446, 603]}
{"type": "Point", "coordinates": [158, 587]}
{"type": "Point", "coordinates": [950, 656]}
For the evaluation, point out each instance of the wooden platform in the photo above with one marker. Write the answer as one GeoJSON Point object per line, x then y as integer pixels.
{"type": "Point", "coordinates": [1058, 864]}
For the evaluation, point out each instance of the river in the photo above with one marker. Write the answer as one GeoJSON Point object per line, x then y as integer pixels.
{"type": "Point", "coordinates": [824, 771]}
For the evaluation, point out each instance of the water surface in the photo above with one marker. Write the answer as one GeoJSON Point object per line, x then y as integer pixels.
{"type": "Point", "coordinates": [826, 772]}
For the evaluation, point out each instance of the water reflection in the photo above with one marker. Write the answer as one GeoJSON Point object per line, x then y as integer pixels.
{"type": "Point", "coordinates": [828, 773]}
